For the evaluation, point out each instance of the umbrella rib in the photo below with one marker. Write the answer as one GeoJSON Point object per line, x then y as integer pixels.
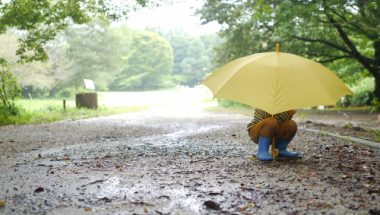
{"type": "Point", "coordinates": [275, 88]}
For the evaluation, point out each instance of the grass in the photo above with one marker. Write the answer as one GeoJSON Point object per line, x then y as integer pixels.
{"type": "Point", "coordinates": [38, 111]}
{"type": "Point", "coordinates": [49, 110]}
{"type": "Point", "coordinates": [377, 135]}
{"type": "Point", "coordinates": [74, 113]}
{"type": "Point", "coordinates": [37, 105]}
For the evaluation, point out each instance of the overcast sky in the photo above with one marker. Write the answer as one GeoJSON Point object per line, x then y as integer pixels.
{"type": "Point", "coordinates": [179, 15]}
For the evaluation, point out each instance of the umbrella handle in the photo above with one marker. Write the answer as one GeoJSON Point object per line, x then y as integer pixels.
{"type": "Point", "coordinates": [275, 152]}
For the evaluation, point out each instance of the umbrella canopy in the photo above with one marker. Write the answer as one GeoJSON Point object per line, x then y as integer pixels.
{"type": "Point", "coordinates": [276, 82]}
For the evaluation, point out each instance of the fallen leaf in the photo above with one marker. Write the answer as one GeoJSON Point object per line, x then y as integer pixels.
{"type": "Point", "coordinates": [39, 190]}
{"type": "Point", "coordinates": [106, 199]}
{"type": "Point", "coordinates": [2, 203]}
{"type": "Point", "coordinates": [142, 203]}
{"type": "Point", "coordinates": [247, 189]}
{"type": "Point", "coordinates": [164, 197]}
{"type": "Point", "coordinates": [215, 194]}
{"type": "Point", "coordinates": [248, 205]}
{"type": "Point", "coordinates": [212, 205]}
{"type": "Point", "coordinates": [373, 191]}
{"type": "Point", "coordinates": [374, 211]}
{"type": "Point", "coordinates": [319, 205]}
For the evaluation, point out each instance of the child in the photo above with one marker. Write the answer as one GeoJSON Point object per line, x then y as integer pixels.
{"type": "Point", "coordinates": [264, 127]}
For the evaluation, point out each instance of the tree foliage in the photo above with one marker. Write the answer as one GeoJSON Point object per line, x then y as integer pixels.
{"type": "Point", "coordinates": [148, 63]}
{"type": "Point", "coordinates": [8, 90]}
{"type": "Point", "coordinates": [115, 58]}
{"type": "Point", "coordinates": [94, 52]}
{"type": "Point", "coordinates": [38, 78]}
{"type": "Point", "coordinates": [126, 59]}
{"type": "Point", "coordinates": [39, 21]}
{"type": "Point", "coordinates": [72, 40]}
{"type": "Point", "coordinates": [343, 32]}
{"type": "Point", "coordinates": [193, 56]}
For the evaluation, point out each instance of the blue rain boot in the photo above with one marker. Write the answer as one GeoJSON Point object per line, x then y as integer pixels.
{"type": "Point", "coordinates": [281, 145]}
{"type": "Point", "coordinates": [262, 152]}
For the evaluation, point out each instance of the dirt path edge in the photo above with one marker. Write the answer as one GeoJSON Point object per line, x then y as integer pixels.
{"type": "Point", "coordinates": [352, 139]}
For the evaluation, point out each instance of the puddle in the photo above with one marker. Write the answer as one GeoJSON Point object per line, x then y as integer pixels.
{"type": "Point", "coordinates": [193, 130]}
{"type": "Point", "coordinates": [111, 188]}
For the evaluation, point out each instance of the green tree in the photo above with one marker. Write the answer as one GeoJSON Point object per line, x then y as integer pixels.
{"type": "Point", "coordinates": [192, 56]}
{"type": "Point", "coordinates": [94, 52]}
{"type": "Point", "coordinates": [148, 63]}
{"type": "Point", "coordinates": [38, 78]}
{"type": "Point", "coordinates": [339, 31]}
{"type": "Point", "coordinates": [210, 42]}
{"type": "Point", "coordinates": [192, 67]}
{"type": "Point", "coordinates": [40, 21]}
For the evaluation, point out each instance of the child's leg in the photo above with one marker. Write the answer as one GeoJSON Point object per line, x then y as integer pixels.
{"type": "Point", "coordinates": [266, 128]}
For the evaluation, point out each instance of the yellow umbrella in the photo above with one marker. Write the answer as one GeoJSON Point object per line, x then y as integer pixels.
{"type": "Point", "coordinates": [276, 82]}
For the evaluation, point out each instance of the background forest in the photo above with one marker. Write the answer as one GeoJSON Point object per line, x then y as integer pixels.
{"type": "Point", "coordinates": [116, 58]}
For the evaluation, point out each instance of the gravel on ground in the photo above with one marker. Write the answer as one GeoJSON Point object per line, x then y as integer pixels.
{"type": "Point", "coordinates": [153, 162]}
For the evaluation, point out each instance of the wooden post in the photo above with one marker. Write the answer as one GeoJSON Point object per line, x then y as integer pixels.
{"type": "Point", "coordinates": [87, 100]}
{"type": "Point", "coordinates": [64, 104]}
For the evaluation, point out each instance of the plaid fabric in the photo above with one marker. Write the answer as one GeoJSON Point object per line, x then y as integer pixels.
{"type": "Point", "coordinates": [260, 115]}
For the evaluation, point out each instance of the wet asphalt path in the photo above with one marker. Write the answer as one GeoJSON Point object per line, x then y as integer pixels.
{"type": "Point", "coordinates": [178, 162]}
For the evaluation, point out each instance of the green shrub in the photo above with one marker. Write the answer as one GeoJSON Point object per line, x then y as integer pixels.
{"type": "Point", "coordinates": [363, 92]}
{"type": "Point", "coordinates": [4, 116]}
{"type": "Point", "coordinates": [344, 101]}
{"type": "Point", "coordinates": [375, 105]}
{"type": "Point", "coordinates": [10, 119]}
{"type": "Point", "coordinates": [9, 90]}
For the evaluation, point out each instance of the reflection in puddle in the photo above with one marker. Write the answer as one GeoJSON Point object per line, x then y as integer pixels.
{"type": "Point", "coordinates": [177, 198]}
{"type": "Point", "coordinates": [182, 201]}
{"type": "Point", "coordinates": [193, 130]}
{"type": "Point", "coordinates": [111, 188]}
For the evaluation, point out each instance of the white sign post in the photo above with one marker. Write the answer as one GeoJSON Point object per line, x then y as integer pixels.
{"type": "Point", "coordinates": [87, 99]}
{"type": "Point", "coordinates": [89, 84]}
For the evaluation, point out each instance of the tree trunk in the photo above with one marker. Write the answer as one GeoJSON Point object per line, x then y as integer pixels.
{"type": "Point", "coordinates": [376, 72]}
{"type": "Point", "coordinates": [377, 87]}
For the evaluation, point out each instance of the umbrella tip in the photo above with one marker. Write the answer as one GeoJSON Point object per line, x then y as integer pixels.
{"type": "Point", "coordinates": [277, 47]}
